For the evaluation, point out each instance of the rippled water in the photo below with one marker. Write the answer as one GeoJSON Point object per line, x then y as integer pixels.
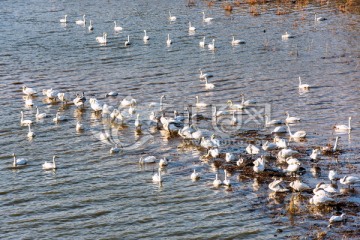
{"type": "Point", "coordinates": [97, 195]}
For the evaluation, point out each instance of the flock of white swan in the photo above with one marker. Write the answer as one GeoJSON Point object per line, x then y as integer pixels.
{"type": "Point", "coordinates": [288, 163]}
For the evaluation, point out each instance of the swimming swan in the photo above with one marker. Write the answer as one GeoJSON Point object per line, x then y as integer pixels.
{"type": "Point", "coordinates": [50, 165]}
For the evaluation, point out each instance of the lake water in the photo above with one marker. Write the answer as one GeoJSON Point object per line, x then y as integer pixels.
{"type": "Point", "coordinates": [94, 194]}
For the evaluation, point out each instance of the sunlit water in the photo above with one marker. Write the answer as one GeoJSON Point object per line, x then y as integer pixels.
{"type": "Point", "coordinates": [94, 194]}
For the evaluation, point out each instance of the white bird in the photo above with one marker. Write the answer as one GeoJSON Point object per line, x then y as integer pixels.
{"type": "Point", "coordinates": [226, 181]}
{"type": "Point", "coordinates": [59, 118]}
{"type": "Point", "coordinates": [237, 41]}
{"type": "Point", "coordinates": [19, 161]}
{"type": "Point", "coordinates": [127, 42]}
{"type": "Point", "coordinates": [335, 218]}
{"type": "Point", "coordinates": [280, 142]}
{"type": "Point", "coordinates": [315, 154]}
{"type": "Point", "coordinates": [303, 86]}
{"type": "Point", "coordinates": [259, 165]}
{"type": "Point", "coordinates": [286, 153]}
{"type": "Point", "coordinates": [28, 101]}
{"type": "Point", "coordinates": [202, 43]}
{"type": "Point", "coordinates": [343, 127]}
{"type": "Point", "coordinates": [128, 101]}
{"type": "Point", "coordinates": [206, 19]}
{"type": "Point", "coordinates": [319, 18]}
{"type": "Point", "coordinates": [291, 119]}
{"type": "Point", "coordinates": [191, 28]}
{"type": "Point", "coordinates": [277, 186]}
{"type": "Point", "coordinates": [50, 93]}
{"type": "Point", "coordinates": [63, 20]}
{"type": "Point", "coordinates": [90, 27]}
{"type": "Point", "coordinates": [318, 200]}
{"type": "Point", "coordinates": [247, 102]}
{"type": "Point", "coordinates": [299, 186]}
{"type": "Point", "coordinates": [157, 177]}
{"type": "Point", "coordinates": [296, 135]}
{"type": "Point", "coordinates": [102, 40]}
{"type": "Point", "coordinates": [146, 37]}
{"type": "Point", "coordinates": [217, 182]}
{"type": "Point", "coordinates": [28, 91]}
{"type": "Point", "coordinates": [328, 188]}
{"type": "Point", "coordinates": [268, 146]}
{"type": "Point", "coordinates": [79, 101]}
{"type": "Point", "coordinates": [234, 106]}
{"type": "Point", "coordinates": [171, 18]}
{"type": "Point", "coordinates": [234, 119]}
{"type": "Point", "coordinates": [111, 94]}
{"type": "Point", "coordinates": [328, 148]}
{"type": "Point", "coordinates": [117, 28]}
{"type": "Point", "coordinates": [81, 22]}
{"type": "Point", "coordinates": [286, 36]}
{"type": "Point", "coordinates": [79, 126]}
{"type": "Point", "coordinates": [24, 121]}
{"type": "Point", "coordinates": [333, 176]}
{"type": "Point", "coordinates": [115, 149]}
{"type": "Point", "coordinates": [199, 104]}
{"type": "Point", "coordinates": [252, 149]}
{"type": "Point", "coordinates": [230, 157]}
{"type": "Point", "coordinates": [272, 122]}
{"type": "Point", "coordinates": [349, 180]}
{"type": "Point", "coordinates": [168, 41]}
{"type": "Point", "coordinates": [279, 129]}
{"type": "Point", "coordinates": [148, 159]}
{"type": "Point", "coordinates": [49, 165]}
{"type": "Point", "coordinates": [211, 45]}
{"type": "Point", "coordinates": [30, 134]}
{"type": "Point", "coordinates": [195, 175]}
{"type": "Point", "coordinates": [202, 75]}
{"type": "Point", "coordinates": [163, 162]}
{"type": "Point", "coordinates": [64, 97]}
{"type": "Point", "coordinates": [208, 85]}
{"type": "Point", "coordinates": [293, 168]}
{"type": "Point", "coordinates": [137, 123]}
{"type": "Point", "coordinates": [95, 105]}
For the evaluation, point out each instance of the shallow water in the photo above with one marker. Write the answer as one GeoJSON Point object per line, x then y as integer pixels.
{"type": "Point", "coordinates": [97, 195]}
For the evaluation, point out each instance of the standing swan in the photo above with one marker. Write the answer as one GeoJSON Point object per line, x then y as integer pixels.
{"type": "Point", "coordinates": [19, 161]}
{"type": "Point", "coordinates": [81, 22]}
{"type": "Point", "coordinates": [117, 28]}
{"type": "Point", "coordinates": [343, 127]}
{"type": "Point", "coordinates": [303, 86]}
{"type": "Point", "coordinates": [49, 165]}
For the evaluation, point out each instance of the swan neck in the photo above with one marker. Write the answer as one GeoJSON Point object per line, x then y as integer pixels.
{"type": "Point", "coordinates": [335, 145]}
{"type": "Point", "coordinates": [14, 161]}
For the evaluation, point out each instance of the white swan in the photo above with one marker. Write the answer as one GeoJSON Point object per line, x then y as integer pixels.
{"type": "Point", "coordinates": [137, 122]}
{"type": "Point", "coordinates": [115, 149]}
{"type": "Point", "coordinates": [291, 119]}
{"type": "Point", "coordinates": [50, 93]}
{"type": "Point", "coordinates": [79, 126]}
{"type": "Point", "coordinates": [157, 177]}
{"type": "Point", "coordinates": [163, 162]}
{"type": "Point", "coordinates": [217, 182]}
{"type": "Point", "coordinates": [335, 218]}
{"type": "Point", "coordinates": [24, 121]}
{"type": "Point", "coordinates": [59, 118]}
{"type": "Point", "coordinates": [111, 94]}
{"type": "Point", "coordinates": [102, 40]}
{"type": "Point", "coordinates": [247, 102]}
{"type": "Point", "coordinates": [234, 119]}
{"type": "Point", "coordinates": [30, 134]}
{"type": "Point", "coordinates": [199, 104]}
{"type": "Point", "coordinates": [49, 165]}
{"type": "Point", "coordinates": [117, 28]}
{"type": "Point", "coordinates": [19, 161]}
{"type": "Point", "coordinates": [64, 97]}
{"type": "Point", "coordinates": [343, 127]}
{"type": "Point", "coordinates": [315, 154]}
{"type": "Point", "coordinates": [80, 100]}
{"type": "Point", "coordinates": [293, 168]}
{"type": "Point", "coordinates": [146, 37]}
{"type": "Point", "coordinates": [349, 180]}
{"type": "Point", "coordinates": [195, 175]}
{"type": "Point", "coordinates": [226, 181]}
{"type": "Point", "coordinates": [28, 101]}
{"type": "Point", "coordinates": [286, 36]}
{"type": "Point", "coordinates": [81, 22]}
{"type": "Point", "coordinates": [211, 45]}
{"type": "Point", "coordinates": [28, 91]}
{"type": "Point", "coordinates": [171, 18]}
{"type": "Point", "coordinates": [277, 186]}
{"type": "Point", "coordinates": [206, 19]}
{"type": "Point", "coordinates": [127, 42]}
{"type": "Point", "coordinates": [90, 27]}
{"type": "Point", "coordinates": [230, 157]}
{"type": "Point", "coordinates": [208, 85]}
{"type": "Point", "coordinates": [202, 75]}
{"type": "Point", "coordinates": [63, 20]}
{"type": "Point", "coordinates": [318, 200]}
{"type": "Point", "coordinates": [333, 176]}
{"type": "Point", "coordinates": [95, 105]}
{"type": "Point", "coordinates": [279, 129]}
{"type": "Point", "coordinates": [298, 134]}
{"type": "Point", "coordinates": [202, 43]}
{"type": "Point", "coordinates": [319, 18]}
{"type": "Point", "coordinates": [328, 148]}
{"type": "Point", "coordinates": [269, 146]}
{"type": "Point", "coordinates": [168, 41]}
{"type": "Point", "coordinates": [252, 149]}
{"type": "Point", "coordinates": [303, 86]}
{"type": "Point", "coordinates": [299, 186]}
{"type": "Point", "coordinates": [191, 28]}
{"type": "Point", "coordinates": [272, 122]}
{"type": "Point", "coordinates": [237, 41]}
{"type": "Point", "coordinates": [148, 159]}
{"type": "Point", "coordinates": [259, 165]}
{"type": "Point", "coordinates": [234, 106]}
